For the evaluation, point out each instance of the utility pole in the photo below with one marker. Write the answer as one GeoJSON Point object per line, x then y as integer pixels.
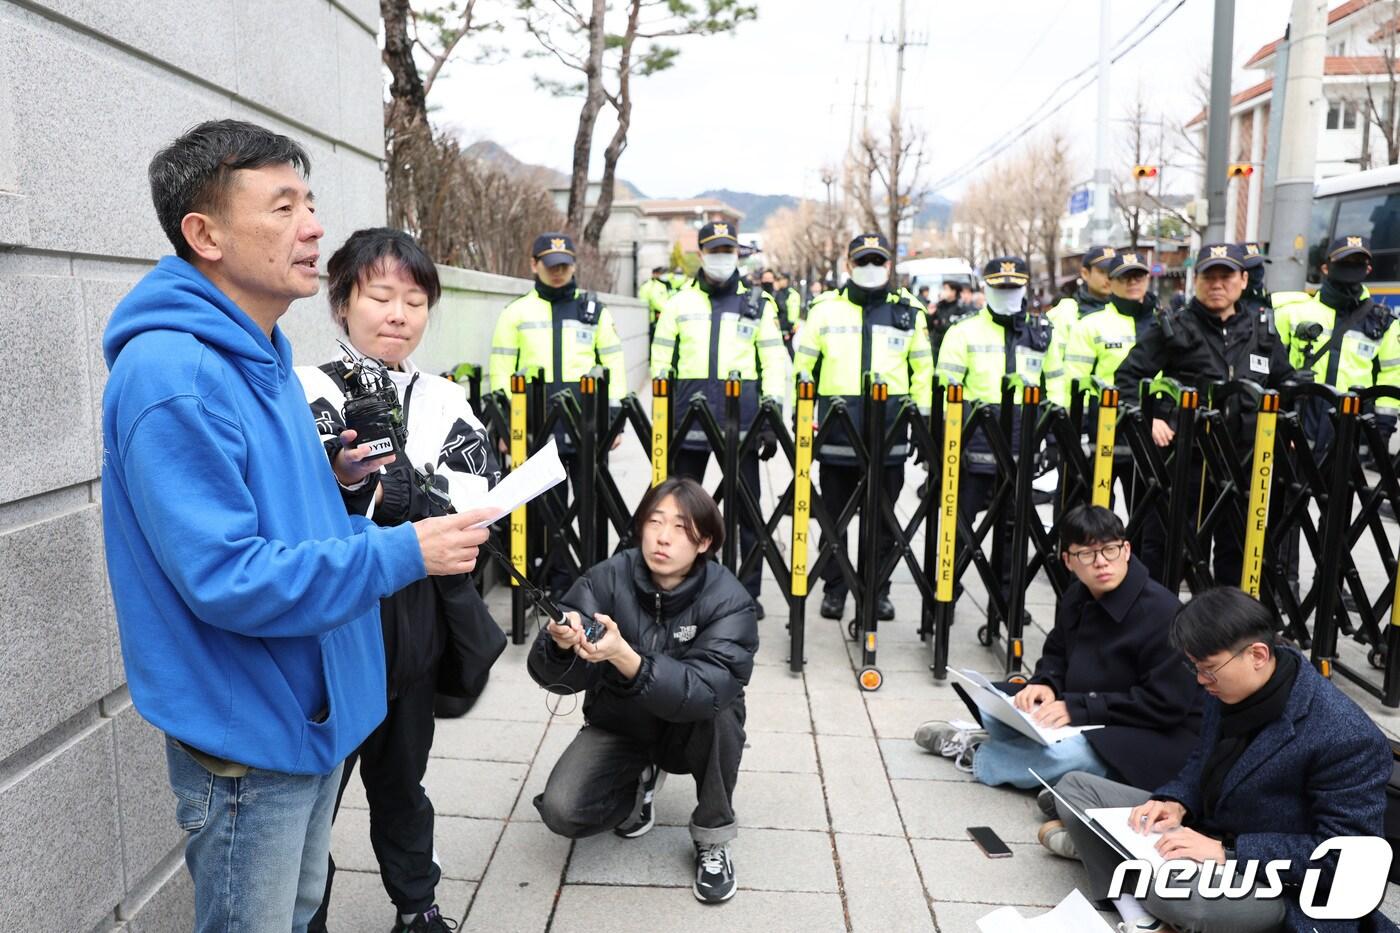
{"type": "Point", "coordinates": [1218, 127]}
{"type": "Point", "coordinates": [895, 197]}
{"type": "Point", "coordinates": [1101, 224]}
{"type": "Point", "coordinates": [1276, 104]}
{"type": "Point", "coordinates": [1297, 157]}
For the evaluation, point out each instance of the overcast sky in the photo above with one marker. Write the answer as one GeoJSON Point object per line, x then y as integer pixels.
{"type": "Point", "coordinates": [985, 68]}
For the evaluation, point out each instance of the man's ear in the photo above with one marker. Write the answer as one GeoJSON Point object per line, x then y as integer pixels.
{"type": "Point", "coordinates": [1064, 558]}
{"type": "Point", "coordinates": [704, 546]}
{"type": "Point", "coordinates": [1127, 550]}
{"type": "Point", "coordinates": [203, 235]}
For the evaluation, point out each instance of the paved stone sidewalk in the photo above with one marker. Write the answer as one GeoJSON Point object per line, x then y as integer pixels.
{"type": "Point", "coordinates": [846, 824]}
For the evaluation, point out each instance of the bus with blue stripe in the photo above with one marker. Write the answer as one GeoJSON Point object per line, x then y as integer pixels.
{"type": "Point", "coordinates": [1366, 204]}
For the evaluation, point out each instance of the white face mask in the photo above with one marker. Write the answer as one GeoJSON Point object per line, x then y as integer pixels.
{"type": "Point", "coordinates": [719, 266]}
{"type": "Point", "coordinates": [870, 276]}
{"type": "Point", "coordinates": [1006, 300]}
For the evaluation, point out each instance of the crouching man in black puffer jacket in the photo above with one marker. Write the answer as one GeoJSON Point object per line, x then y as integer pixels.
{"type": "Point", "coordinates": [663, 683]}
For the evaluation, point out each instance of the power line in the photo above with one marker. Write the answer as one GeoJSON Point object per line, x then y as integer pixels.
{"type": "Point", "coordinates": [1018, 132]}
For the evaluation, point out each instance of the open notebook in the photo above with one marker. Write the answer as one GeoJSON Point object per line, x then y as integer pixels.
{"type": "Point", "coordinates": [998, 705]}
{"type": "Point", "coordinates": [1074, 914]}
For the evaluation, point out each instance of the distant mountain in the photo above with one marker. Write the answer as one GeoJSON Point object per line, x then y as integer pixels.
{"type": "Point", "coordinates": [758, 208]}
{"type": "Point", "coordinates": [493, 152]}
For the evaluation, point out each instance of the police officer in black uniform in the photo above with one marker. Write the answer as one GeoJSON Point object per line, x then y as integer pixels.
{"type": "Point", "coordinates": [1217, 337]}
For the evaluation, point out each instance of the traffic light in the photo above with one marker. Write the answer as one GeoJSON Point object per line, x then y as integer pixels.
{"type": "Point", "coordinates": [1240, 170]}
{"type": "Point", "coordinates": [1144, 171]}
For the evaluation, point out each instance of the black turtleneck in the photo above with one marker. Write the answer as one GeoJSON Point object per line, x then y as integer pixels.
{"type": "Point", "coordinates": [728, 287]}
{"type": "Point", "coordinates": [1088, 301]}
{"type": "Point", "coordinates": [1136, 309]}
{"type": "Point", "coordinates": [1341, 297]}
{"type": "Point", "coordinates": [554, 295]}
{"type": "Point", "coordinates": [865, 297]}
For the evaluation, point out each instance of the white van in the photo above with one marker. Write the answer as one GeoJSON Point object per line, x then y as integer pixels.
{"type": "Point", "coordinates": [917, 273]}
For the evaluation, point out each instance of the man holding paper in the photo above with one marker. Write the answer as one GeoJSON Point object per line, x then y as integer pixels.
{"type": "Point", "coordinates": [1109, 695]}
{"type": "Point", "coordinates": [1285, 762]}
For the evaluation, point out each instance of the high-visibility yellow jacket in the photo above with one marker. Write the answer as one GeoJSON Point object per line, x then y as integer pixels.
{"type": "Point", "coordinates": [706, 332]}
{"type": "Point", "coordinates": [563, 340]}
{"type": "Point", "coordinates": [889, 340]}
{"type": "Point", "coordinates": [655, 292]}
{"type": "Point", "coordinates": [1062, 317]}
{"type": "Point", "coordinates": [978, 352]}
{"type": "Point", "coordinates": [1096, 345]}
{"type": "Point", "coordinates": [1367, 354]}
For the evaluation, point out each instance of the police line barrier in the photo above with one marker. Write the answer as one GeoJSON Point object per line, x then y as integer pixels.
{"type": "Point", "coordinates": [1266, 487]}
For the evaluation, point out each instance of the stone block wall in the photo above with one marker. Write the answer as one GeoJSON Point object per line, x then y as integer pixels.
{"type": "Point", "coordinates": [89, 90]}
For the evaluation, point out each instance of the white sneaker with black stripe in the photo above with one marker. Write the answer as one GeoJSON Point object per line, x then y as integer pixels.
{"type": "Point", "coordinates": [644, 817]}
{"type": "Point", "coordinates": [714, 873]}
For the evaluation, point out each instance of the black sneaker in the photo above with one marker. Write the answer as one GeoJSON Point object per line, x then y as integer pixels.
{"type": "Point", "coordinates": [1046, 802]}
{"type": "Point", "coordinates": [429, 921]}
{"type": "Point", "coordinates": [833, 605]}
{"type": "Point", "coordinates": [714, 873]}
{"type": "Point", "coordinates": [758, 610]}
{"type": "Point", "coordinates": [644, 817]}
{"type": "Point", "coordinates": [884, 609]}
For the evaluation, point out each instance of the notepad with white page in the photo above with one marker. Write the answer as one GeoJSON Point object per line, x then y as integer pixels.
{"type": "Point", "coordinates": [1074, 914]}
{"type": "Point", "coordinates": [536, 476]}
{"type": "Point", "coordinates": [998, 705]}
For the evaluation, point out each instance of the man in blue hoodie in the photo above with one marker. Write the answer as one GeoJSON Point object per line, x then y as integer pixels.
{"type": "Point", "coordinates": [247, 600]}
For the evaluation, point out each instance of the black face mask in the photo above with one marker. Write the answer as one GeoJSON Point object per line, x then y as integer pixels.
{"type": "Point", "coordinates": [768, 287]}
{"type": "Point", "coordinates": [551, 294]}
{"type": "Point", "coordinates": [1347, 273]}
{"type": "Point", "coordinates": [1256, 281]}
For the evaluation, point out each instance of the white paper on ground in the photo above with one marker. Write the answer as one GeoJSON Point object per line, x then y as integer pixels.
{"type": "Point", "coordinates": [1114, 821]}
{"type": "Point", "coordinates": [1074, 914]}
{"type": "Point", "coordinates": [998, 705]}
{"type": "Point", "coordinates": [537, 475]}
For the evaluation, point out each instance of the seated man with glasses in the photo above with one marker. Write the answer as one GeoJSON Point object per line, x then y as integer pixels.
{"type": "Point", "coordinates": [1106, 662]}
{"type": "Point", "coordinates": [1285, 762]}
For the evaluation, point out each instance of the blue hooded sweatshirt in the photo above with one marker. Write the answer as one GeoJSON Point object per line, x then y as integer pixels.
{"type": "Point", "coordinates": [247, 599]}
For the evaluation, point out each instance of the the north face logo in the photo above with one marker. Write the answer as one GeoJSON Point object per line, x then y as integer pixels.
{"type": "Point", "coordinates": [685, 633]}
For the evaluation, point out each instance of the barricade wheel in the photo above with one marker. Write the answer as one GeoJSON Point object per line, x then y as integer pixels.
{"type": "Point", "coordinates": [1016, 679]}
{"type": "Point", "coordinates": [1376, 657]}
{"type": "Point", "coordinates": [853, 630]}
{"type": "Point", "coordinates": [984, 637]}
{"type": "Point", "coordinates": [870, 679]}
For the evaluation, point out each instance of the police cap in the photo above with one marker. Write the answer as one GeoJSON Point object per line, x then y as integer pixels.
{"type": "Point", "coordinates": [1099, 257]}
{"type": "Point", "coordinates": [1254, 255]}
{"type": "Point", "coordinates": [718, 233]}
{"type": "Point", "coordinates": [1230, 255]}
{"type": "Point", "coordinates": [1125, 263]}
{"type": "Point", "coordinates": [868, 244]}
{"type": "Point", "coordinates": [1006, 272]}
{"type": "Point", "coordinates": [553, 249]}
{"type": "Point", "coordinates": [1344, 246]}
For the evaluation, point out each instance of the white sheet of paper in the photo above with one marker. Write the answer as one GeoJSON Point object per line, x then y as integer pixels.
{"type": "Point", "coordinates": [1114, 821]}
{"type": "Point", "coordinates": [537, 475]}
{"type": "Point", "coordinates": [1074, 914]}
{"type": "Point", "coordinates": [998, 705]}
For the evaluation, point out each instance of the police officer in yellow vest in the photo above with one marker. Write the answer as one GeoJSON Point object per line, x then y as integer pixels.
{"type": "Point", "coordinates": [563, 332]}
{"type": "Point", "coordinates": [1093, 293]}
{"type": "Point", "coordinates": [869, 326]}
{"type": "Point", "coordinates": [1000, 340]}
{"type": "Point", "coordinates": [1100, 341]}
{"type": "Point", "coordinates": [715, 326]}
{"type": "Point", "coordinates": [655, 291]}
{"type": "Point", "coordinates": [1341, 336]}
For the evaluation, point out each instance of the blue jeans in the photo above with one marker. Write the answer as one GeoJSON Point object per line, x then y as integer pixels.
{"type": "Point", "coordinates": [1007, 756]}
{"type": "Point", "coordinates": [256, 846]}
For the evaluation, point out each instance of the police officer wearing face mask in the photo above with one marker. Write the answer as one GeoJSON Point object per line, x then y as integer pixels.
{"type": "Point", "coordinates": [1215, 338]}
{"type": "Point", "coordinates": [1340, 335]}
{"type": "Point", "coordinates": [562, 331]}
{"type": "Point", "coordinates": [715, 326]}
{"type": "Point", "coordinates": [1000, 340]}
{"type": "Point", "coordinates": [868, 326]}
{"type": "Point", "coordinates": [789, 304]}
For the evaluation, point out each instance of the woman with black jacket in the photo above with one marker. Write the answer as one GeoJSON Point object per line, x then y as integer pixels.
{"type": "Point", "coordinates": [382, 286]}
{"type": "Point", "coordinates": [663, 675]}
